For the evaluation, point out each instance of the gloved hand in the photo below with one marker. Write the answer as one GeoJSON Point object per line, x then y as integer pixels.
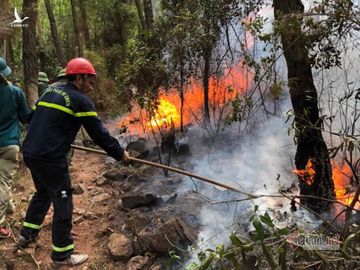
{"type": "Point", "coordinates": [126, 156]}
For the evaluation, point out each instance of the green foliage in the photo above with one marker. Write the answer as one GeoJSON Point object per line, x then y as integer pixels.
{"type": "Point", "coordinates": [241, 106]}
{"type": "Point", "coordinates": [106, 95]}
{"type": "Point", "coordinates": [174, 259]}
{"type": "Point", "coordinates": [270, 246]}
{"type": "Point", "coordinates": [144, 69]}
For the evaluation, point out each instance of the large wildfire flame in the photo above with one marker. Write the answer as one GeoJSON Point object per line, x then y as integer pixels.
{"type": "Point", "coordinates": [234, 81]}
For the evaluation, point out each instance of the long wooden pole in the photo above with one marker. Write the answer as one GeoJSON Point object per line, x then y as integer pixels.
{"type": "Point", "coordinates": [176, 170]}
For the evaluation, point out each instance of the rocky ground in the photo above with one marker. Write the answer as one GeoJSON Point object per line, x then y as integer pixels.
{"type": "Point", "coordinates": [124, 217]}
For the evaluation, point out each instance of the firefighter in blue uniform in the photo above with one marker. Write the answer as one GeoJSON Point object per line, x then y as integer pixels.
{"type": "Point", "coordinates": [58, 115]}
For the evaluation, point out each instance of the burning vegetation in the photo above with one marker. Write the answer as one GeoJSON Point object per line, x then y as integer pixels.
{"type": "Point", "coordinates": [166, 110]}
{"type": "Point", "coordinates": [342, 176]}
{"type": "Point", "coordinates": [308, 174]}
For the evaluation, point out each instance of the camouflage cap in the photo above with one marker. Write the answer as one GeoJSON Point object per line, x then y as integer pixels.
{"type": "Point", "coordinates": [61, 73]}
{"type": "Point", "coordinates": [42, 77]}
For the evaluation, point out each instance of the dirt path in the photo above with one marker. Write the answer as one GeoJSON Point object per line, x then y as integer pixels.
{"type": "Point", "coordinates": [90, 219]}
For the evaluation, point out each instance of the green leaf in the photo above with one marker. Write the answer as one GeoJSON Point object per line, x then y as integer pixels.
{"type": "Point", "coordinates": [345, 246]}
{"type": "Point", "coordinates": [283, 231]}
{"type": "Point", "coordinates": [282, 256]}
{"type": "Point", "coordinates": [220, 249]}
{"type": "Point", "coordinates": [259, 228]}
{"type": "Point", "coordinates": [269, 257]}
{"type": "Point", "coordinates": [205, 264]}
{"type": "Point", "coordinates": [267, 220]}
{"type": "Point", "coordinates": [322, 257]}
{"type": "Point", "coordinates": [235, 240]}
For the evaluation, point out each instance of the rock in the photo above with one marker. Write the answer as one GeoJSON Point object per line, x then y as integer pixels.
{"type": "Point", "coordinates": [96, 190]}
{"type": "Point", "coordinates": [117, 174]}
{"type": "Point", "coordinates": [115, 193]}
{"type": "Point", "coordinates": [134, 201]}
{"type": "Point", "coordinates": [111, 217]}
{"type": "Point", "coordinates": [101, 197]}
{"type": "Point", "coordinates": [140, 146]}
{"type": "Point", "coordinates": [79, 219]}
{"type": "Point", "coordinates": [178, 233]}
{"type": "Point", "coordinates": [139, 262]}
{"type": "Point", "coordinates": [78, 189]}
{"type": "Point", "coordinates": [134, 154]}
{"type": "Point", "coordinates": [101, 181]}
{"type": "Point", "coordinates": [79, 211]}
{"type": "Point", "coordinates": [156, 266]}
{"type": "Point", "coordinates": [90, 215]}
{"type": "Point", "coordinates": [168, 198]}
{"type": "Point", "coordinates": [182, 149]}
{"type": "Point", "coordinates": [126, 187]}
{"type": "Point", "coordinates": [139, 220]}
{"type": "Point", "coordinates": [119, 205]}
{"type": "Point", "coordinates": [120, 247]}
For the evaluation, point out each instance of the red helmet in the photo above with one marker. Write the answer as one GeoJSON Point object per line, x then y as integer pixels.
{"type": "Point", "coordinates": [80, 65]}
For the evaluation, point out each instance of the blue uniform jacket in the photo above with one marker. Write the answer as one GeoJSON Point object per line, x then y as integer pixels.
{"type": "Point", "coordinates": [13, 108]}
{"type": "Point", "coordinates": [57, 118]}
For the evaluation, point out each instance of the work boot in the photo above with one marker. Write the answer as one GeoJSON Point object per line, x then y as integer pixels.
{"type": "Point", "coordinates": [74, 259]}
{"type": "Point", "coordinates": [24, 242]}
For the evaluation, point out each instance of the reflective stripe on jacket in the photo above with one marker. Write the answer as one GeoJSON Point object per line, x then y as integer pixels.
{"type": "Point", "coordinates": [57, 118]}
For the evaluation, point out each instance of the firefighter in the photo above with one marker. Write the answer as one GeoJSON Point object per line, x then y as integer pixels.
{"type": "Point", "coordinates": [14, 109]}
{"type": "Point", "coordinates": [43, 83]}
{"type": "Point", "coordinates": [57, 118]}
{"type": "Point", "coordinates": [16, 82]}
{"type": "Point", "coordinates": [60, 78]}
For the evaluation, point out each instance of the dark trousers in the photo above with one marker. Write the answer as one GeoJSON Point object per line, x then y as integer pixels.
{"type": "Point", "coordinates": [53, 185]}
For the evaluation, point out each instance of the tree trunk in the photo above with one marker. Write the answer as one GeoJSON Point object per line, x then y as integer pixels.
{"type": "Point", "coordinates": [182, 95]}
{"type": "Point", "coordinates": [140, 14]}
{"type": "Point", "coordinates": [9, 52]}
{"type": "Point", "coordinates": [54, 33]}
{"type": "Point", "coordinates": [84, 23]}
{"type": "Point", "coordinates": [310, 143]}
{"type": "Point", "coordinates": [149, 16]}
{"type": "Point", "coordinates": [5, 18]}
{"type": "Point", "coordinates": [29, 51]}
{"type": "Point", "coordinates": [206, 79]}
{"type": "Point", "coordinates": [76, 28]}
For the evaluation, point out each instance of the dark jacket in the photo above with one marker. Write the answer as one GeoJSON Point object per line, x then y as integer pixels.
{"type": "Point", "coordinates": [13, 108]}
{"type": "Point", "coordinates": [57, 118]}
{"type": "Point", "coordinates": [42, 87]}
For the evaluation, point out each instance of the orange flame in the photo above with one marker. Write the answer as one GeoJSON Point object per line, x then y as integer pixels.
{"type": "Point", "coordinates": [234, 81]}
{"type": "Point", "coordinates": [165, 115]}
{"type": "Point", "coordinates": [341, 176]}
{"type": "Point", "coordinates": [308, 174]}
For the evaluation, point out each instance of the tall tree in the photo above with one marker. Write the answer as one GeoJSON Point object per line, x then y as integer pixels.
{"type": "Point", "coordinates": [84, 23]}
{"type": "Point", "coordinates": [149, 15]}
{"type": "Point", "coordinates": [30, 9]}
{"type": "Point", "coordinates": [54, 33]}
{"type": "Point", "coordinates": [311, 148]}
{"type": "Point", "coordinates": [203, 22]}
{"type": "Point", "coordinates": [140, 13]}
{"type": "Point", "coordinates": [5, 31]}
{"type": "Point", "coordinates": [76, 28]}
